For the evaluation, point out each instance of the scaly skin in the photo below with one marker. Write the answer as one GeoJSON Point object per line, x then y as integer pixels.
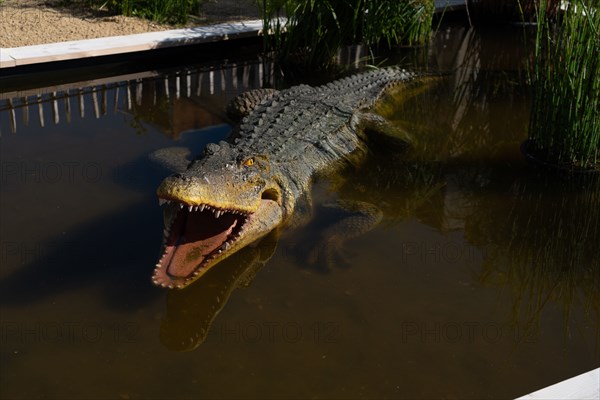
{"type": "Point", "coordinates": [253, 185]}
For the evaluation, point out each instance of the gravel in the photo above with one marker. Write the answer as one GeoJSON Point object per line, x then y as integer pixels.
{"type": "Point", "coordinates": [31, 22]}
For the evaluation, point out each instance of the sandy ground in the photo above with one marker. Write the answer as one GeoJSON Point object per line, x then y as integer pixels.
{"type": "Point", "coordinates": [29, 22]}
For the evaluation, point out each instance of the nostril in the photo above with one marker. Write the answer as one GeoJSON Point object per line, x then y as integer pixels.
{"type": "Point", "coordinates": [270, 194]}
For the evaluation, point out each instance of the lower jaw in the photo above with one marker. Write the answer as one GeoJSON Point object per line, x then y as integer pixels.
{"type": "Point", "coordinates": [192, 241]}
{"type": "Point", "coordinates": [254, 228]}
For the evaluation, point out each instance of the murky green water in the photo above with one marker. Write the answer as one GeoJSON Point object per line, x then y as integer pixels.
{"type": "Point", "coordinates": [481, 281]}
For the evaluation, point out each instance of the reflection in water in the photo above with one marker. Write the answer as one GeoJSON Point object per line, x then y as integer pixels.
{"type": "Point", "coordinates": [486, 85]}
{"type": "Point", "coordinates": [165, 99]}
{"type": "Point", "coordinates": [544, 246]}
{"type": "Point", "coordinates": [540, 233]}
{"type": "Point", "coordinates": [191, 312]}
{"type": "Point", "coordinates": [168, 101]}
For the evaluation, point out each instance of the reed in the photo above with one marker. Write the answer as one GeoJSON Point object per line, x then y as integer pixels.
{"type": "Point", "coordinates": [564, 125]}
{"type": "Point", "coordinates": [163, 11]}
{"type": "Point", "coordinates": [316, 30]}
{"type": "Point", "coordinates": [398, 22]}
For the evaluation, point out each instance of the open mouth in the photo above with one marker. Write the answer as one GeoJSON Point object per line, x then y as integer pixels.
{"type": "Point", "coordinates": [196, 235]}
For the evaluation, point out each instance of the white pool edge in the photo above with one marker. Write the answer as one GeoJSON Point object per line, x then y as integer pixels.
{"type": "Point", "coordinates": [581, 387]}
{"type": "Point", "coordinates": [113, 45]}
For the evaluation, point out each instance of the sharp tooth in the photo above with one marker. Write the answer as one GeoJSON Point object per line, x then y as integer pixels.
{"type": "Point", "coordinates": [201, 207]}
{"type": "Point", "coordinates": [227, 245]}
{"type": "Point", "coordinates": [190, 208]}
{"type": "Point", "coordinates": [180, 205]}
{"type": "Point", "coordinates": [217, 214]}
{"type": "Point", "coordinates": [196, 208]}
{"type": "Point", "coordinates": [162, 201]}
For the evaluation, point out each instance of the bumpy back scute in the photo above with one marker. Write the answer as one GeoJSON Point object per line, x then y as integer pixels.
{"type": "Point", "coordinates": [312, 125]}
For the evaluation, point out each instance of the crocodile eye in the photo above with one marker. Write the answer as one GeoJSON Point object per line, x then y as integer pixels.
{"type": "Point", "coordinates": [249, 162]}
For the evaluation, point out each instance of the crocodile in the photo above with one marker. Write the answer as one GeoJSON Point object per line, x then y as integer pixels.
{"type": "Point", "coordinates": [259, 180]}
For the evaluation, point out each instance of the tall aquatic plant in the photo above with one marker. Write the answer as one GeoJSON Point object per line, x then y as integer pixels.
{"type": "Point", "coordinates": [169, 11]}
{"type": "Point", "coordinates": [565, 122]}
{"type": "Point", "coordinates": [315, 30]}
{"type": "Point", "coordinates": [397, 22]}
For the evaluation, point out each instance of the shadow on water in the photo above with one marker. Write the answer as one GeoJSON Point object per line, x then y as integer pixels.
{"type": "Point", "coordinates": [111, 252]}
{"type": "Point", "coordinates": [117, 251]}
{"type": "Point", "coordinates": [190, 312]}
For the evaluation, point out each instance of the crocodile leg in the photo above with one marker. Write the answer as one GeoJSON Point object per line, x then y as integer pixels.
{"type": "Point", "coordinates": [361, 218]}
{"type": "Point", "coordinates": [379, 128]}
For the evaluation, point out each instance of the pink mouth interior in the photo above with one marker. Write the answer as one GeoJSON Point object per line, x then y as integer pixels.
{"type": "Point", "coordinates": [193, 237]}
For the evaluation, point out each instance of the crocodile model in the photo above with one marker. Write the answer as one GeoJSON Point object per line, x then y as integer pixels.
{"type": "Point", "coordinates": [240, 190]}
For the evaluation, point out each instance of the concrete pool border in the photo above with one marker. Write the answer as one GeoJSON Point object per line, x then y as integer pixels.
{"type": "Point", "coordinates": [580, 387]}
{"type": "Point", "coordinates": [120, 45]}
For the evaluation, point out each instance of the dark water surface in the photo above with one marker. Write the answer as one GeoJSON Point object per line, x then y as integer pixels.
{"type": "Point", "coordinates": [481, 282]}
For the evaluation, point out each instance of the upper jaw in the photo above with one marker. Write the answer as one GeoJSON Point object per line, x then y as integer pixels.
{"type": "Point", "coordinates": [191, 192]}
{"type": "Point", "coordinates": [218, 211]}
{"type": "Point", "coordinates": [239, 229]}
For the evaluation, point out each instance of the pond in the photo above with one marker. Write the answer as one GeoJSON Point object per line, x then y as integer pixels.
{"type": "Point", "coordinates": [481, 281]}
